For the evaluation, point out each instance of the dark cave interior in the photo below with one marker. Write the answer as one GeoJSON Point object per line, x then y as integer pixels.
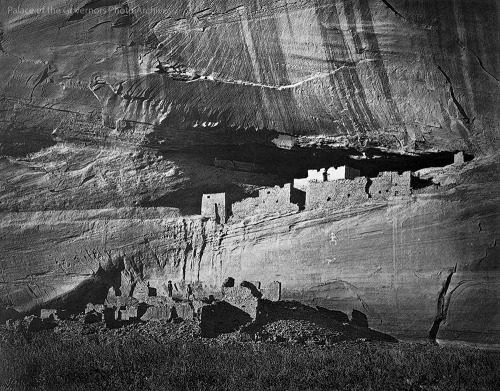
{"type": "Point", "coordinates": [283, 165]}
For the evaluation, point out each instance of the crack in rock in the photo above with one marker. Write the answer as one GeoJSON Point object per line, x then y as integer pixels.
{"type": "Point", "coordinates": [442, 305]}
{"type": "Point", "coordinates": [479, 60]}
{"type": "Point", "coordinates": [465, 118]}
{"type": "Point", "coordinates": [389, 5]}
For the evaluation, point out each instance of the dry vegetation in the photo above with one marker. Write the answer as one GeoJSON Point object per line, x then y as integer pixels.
{"type": "Point", "coordinates": [48, 362]}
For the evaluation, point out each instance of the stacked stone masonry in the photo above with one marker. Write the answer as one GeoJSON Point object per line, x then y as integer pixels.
{"type": "Point", "coordinates": [270, 200]}
{"type": "Point", "coordinates": [213, 206]}
{"type": "Point", "coordinates": [336, 194]}
{"type": "Point", "coordinates": [459, 158]}
{"type": "Point", "coordinates": [324, 188]}
{"type": "Point", "coordinates": [390, 184]}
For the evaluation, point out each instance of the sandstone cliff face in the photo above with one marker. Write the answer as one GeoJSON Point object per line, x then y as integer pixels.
{"type": "Point", "coordinates": [408, 76]}
{"type": "Point", "coordinates": [418, 268]}
{"type": "Point", "coordinates": [110, 109]}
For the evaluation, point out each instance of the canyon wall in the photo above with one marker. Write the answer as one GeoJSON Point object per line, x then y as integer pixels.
{"type": "Point", "coordinates": [419, 268]}
{"type": "Point", "coordinates": [409, 76]}
{"type": "Point", "coordinates": [112, 113]}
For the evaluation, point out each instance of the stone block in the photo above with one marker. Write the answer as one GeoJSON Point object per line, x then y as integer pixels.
{"type": "Point", "coordinates": [243, 299]}
{"type": "Point", "coordinates": [99, 308]}
{"type": "Point", "coordinates": [459, 158]}
{"type": "Point", "coordinates": [157, 300]}
{"type": "Point", "coordinates": [272, 291]}
{"type": "Point", "coordinates": [123, 301]}
{"type": "Point", "coordinates": [336, 194]}
{"type": "Point", "coordinates": [130, 313]}
{"type": "Point", "coordinates": [156, 312]}
{"type": "Point", "coordinates": [214, 206]}
{"type": "Point", "coordinates": [141, 291]}
{"type": "Point", "coordinates": [111, 297]}
{"type": "Point", "coordinates": [50, 314]}
{"type": "Point", "coordinates": [184, 311]}
{"type": "Point", "coordinates": [270, 200]}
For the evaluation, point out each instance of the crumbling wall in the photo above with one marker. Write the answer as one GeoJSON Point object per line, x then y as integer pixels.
{"type": "Point", "coordinates": [221, 317]}
{"type": "Point", "coordinates": [325, 175]}
{"type": "Point", "coordinates": [129, 313]}
{"type": "Point", "coordinates": [317, 175]}
{"type": "Point", "coordinates": [242, 298]}
{"type": "Point", "coordinates": [141, 291]}
{"type": "Point", "coordinates": [272, 291]}
{"type": "Point", "coordinates": [459, 158]}
{"type": "Point", "coordinates": [270, 200]}
{"type": "Point", "coordinates": [214, 206]}
{"type": "Point", "coordinates": [390, 184]}
{"type": "Point", "coordinates": [48, 314]}
{"type": "Point", "coordinates": [301, 184]}
{"type": "Point", "coordinates": [159, 312]}
{"type": "Point", "coordinates": [336, 194]}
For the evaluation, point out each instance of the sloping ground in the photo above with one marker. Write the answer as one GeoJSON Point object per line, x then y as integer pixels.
{"type": "Point", "coordinates": [158, 355]}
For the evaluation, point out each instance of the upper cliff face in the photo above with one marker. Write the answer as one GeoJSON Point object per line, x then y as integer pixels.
{"type": "Point", "coordinates": [407, 76]}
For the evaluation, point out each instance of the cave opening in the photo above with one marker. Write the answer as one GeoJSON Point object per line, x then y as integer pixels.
{"type": "Point", "coordinates": [294, 163]}
{"type": "Point", "coordinates": [250, 166]}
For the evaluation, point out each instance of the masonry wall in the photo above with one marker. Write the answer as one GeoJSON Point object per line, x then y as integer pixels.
{"type": "Point", "coordinates": [390, 184]}
{"type": "Point", "coordinates": [270, 200]}
{"type": "Point", "coordinates": [214, 206]}
{"type": "Point", "coordinates": [301, 184]}
{"type": "Point", "coordinates": [336, 194]}
{"type": "Point", "coordinates": [343, 172]}
{"type": "Point", "coordinates": [459, 158]}
{"type": "Point", "coordinates": [317, 175]}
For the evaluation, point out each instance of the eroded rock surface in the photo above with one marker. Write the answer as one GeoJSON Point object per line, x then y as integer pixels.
{"type": "Point", "coordinates": [396, 74]}
{"type": "Point", "coordinates": [116, 117]}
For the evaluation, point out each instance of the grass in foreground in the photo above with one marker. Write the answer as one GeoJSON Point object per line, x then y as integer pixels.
{"type": "Point", "coordinates": [140, 364]}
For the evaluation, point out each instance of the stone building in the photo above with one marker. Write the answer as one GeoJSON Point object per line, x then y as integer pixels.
{"type": "Point", "coordinates": [459, 157]}
{"type": "Point", "coordinates": [270, 200]}
{"type": "Point", "coordinates": [214, 207]}
{"type": "Point", "coordinates": [390, 184]}
{"type": "Point", "coordinates": [336, 194]}
{"type": "Point", "coordinates": [343, 172]}
{"type": "Point", "coordinates": [325, 175]}
{"type": "Point", "coordinates": [141, 291]}
{"type": "Point", "coordinates": [48, 314]}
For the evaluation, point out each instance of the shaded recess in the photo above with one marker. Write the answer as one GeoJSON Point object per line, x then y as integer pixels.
{"type": "Point", "coordinates": [279, 166]}
{"type": "Point", "coordinates": [92, 290]}
{"type": "Point", "coordinates": [274, 316]}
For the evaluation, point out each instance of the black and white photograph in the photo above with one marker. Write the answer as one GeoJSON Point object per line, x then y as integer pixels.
{"type": "Point", "coordinates": [260, 195]}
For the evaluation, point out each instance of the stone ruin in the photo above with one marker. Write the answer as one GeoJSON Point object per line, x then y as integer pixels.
{"type": "Point", "coordinates": [270, 200]}
{"type": "Point", "coordinates": [325, 175]}
{"type": "Point", "coordinates": [390, 184]}
{"type": "Point", "coordinates": [336, 194]}
{"type": "Point", "coordinates": [458, 158]}
{"type": "Point", "coordinates": [340, 187]}
{"type": "Point", "coordinates": [235, 306]}
{"type": "Point", "coordinates": [50, 314]}
{"type": "Point", "coordinates": [332, 188]}
{"type": "Point", "coordinates": [214, 206]}
{"type": "Point", "coordinates": [238, 306]}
